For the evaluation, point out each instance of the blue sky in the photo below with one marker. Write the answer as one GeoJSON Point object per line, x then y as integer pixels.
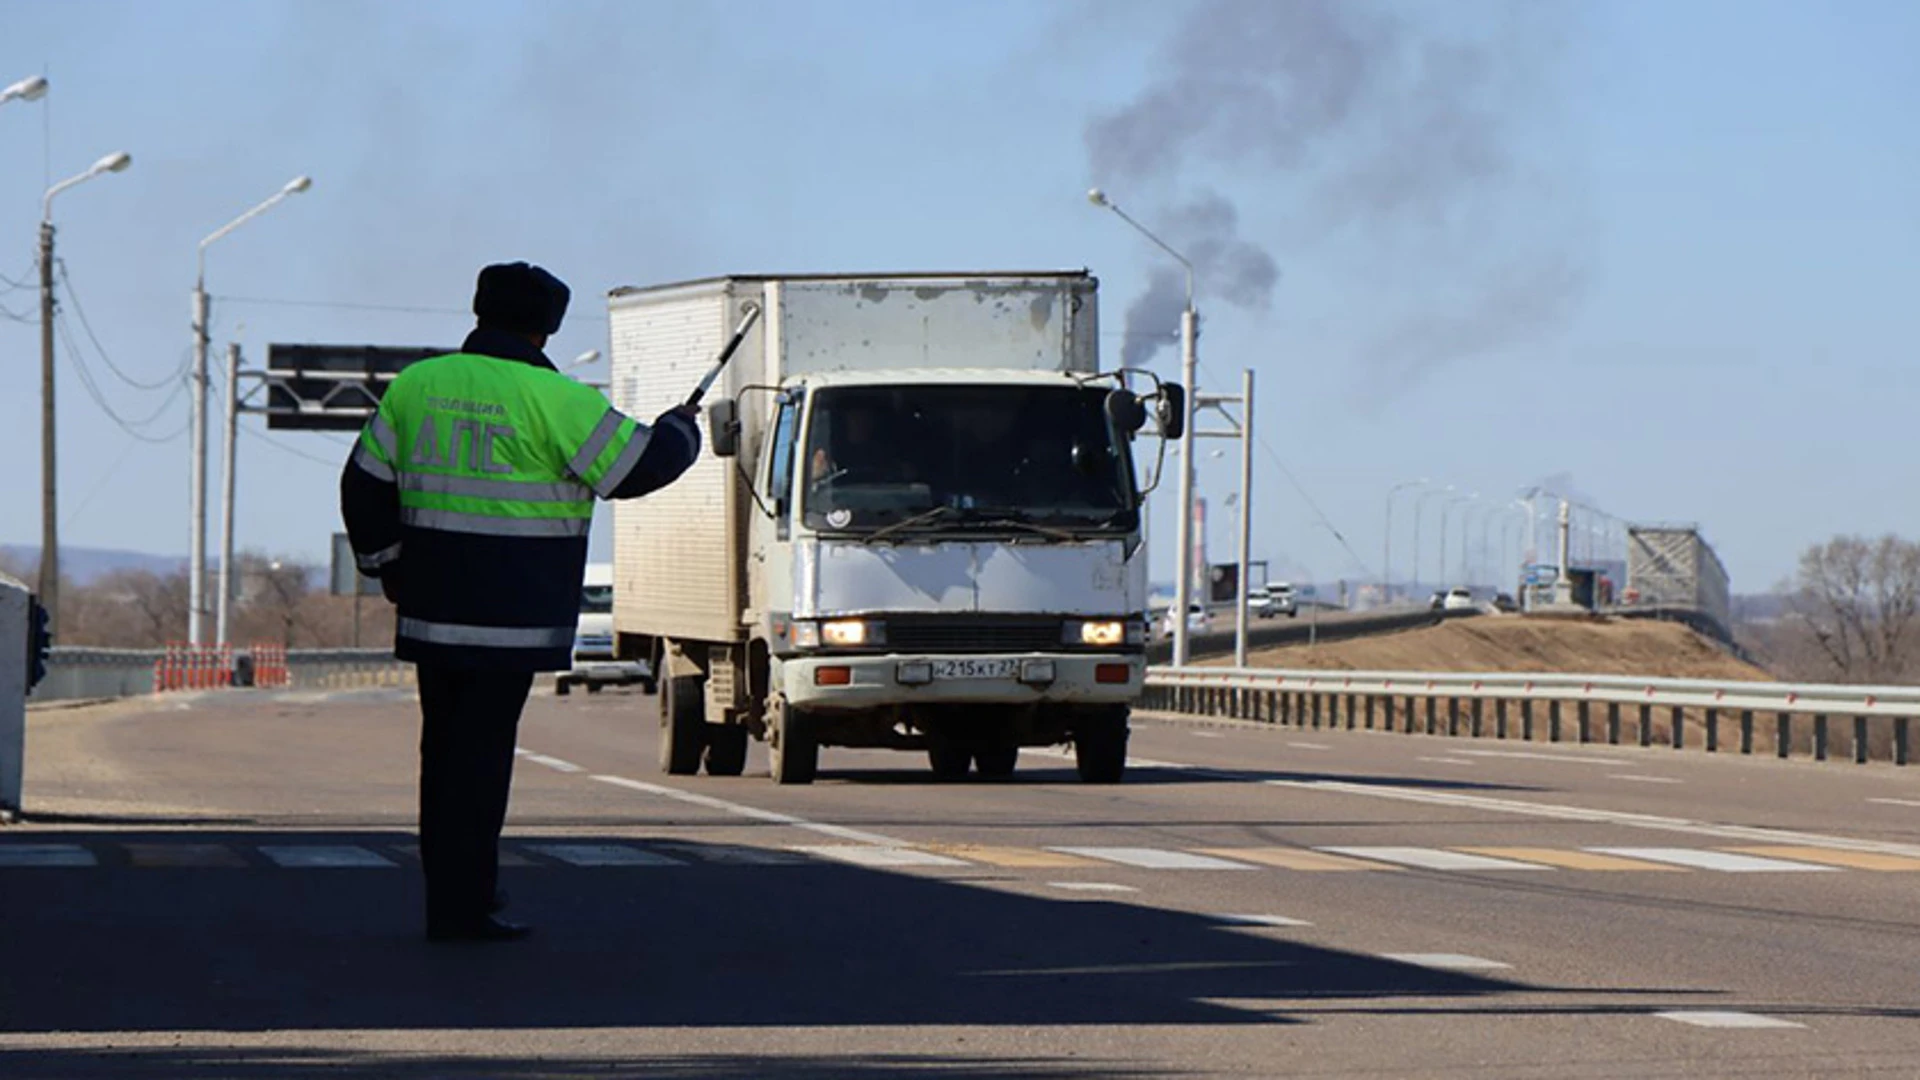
{"type": "Point", "coordinates": [1686, 288]}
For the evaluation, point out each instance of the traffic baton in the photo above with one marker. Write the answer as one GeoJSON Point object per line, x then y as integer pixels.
{"type": "Point", "coordinates": [751, 312]}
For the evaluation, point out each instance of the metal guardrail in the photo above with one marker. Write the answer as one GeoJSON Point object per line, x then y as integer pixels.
{"type": "Point", "coordinates": [1275, 631]}
{"type": "Point", "coordinates": [1664, 709]}
{"type": "Point", "coordinates": [79, 673]}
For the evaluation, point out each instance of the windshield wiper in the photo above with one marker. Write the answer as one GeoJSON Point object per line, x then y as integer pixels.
{"type": "Point", "coordinates": [924, 517]}
{"type": "Point", "coordinates": [1047, 531]}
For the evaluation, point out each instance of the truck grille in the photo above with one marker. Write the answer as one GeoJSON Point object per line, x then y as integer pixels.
{"type": "Point", "coordinates": [974, 634]}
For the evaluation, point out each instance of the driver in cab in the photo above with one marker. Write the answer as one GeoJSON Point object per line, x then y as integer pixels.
{"type": "Point", "coordinates": [855, 449]}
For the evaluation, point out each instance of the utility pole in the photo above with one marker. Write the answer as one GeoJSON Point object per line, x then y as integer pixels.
{"type": "Point", "coordinates": [49, 475]}
{"type": "Point", "coordinates": [197, 477]}
{"type": "Point", "coordinates": [1246, 516]}
{"type": "Point", "coordinates": [224, 605]}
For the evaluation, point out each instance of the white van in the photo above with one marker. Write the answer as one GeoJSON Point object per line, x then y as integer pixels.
{"type": "Point", "coordinates": [594, 663]}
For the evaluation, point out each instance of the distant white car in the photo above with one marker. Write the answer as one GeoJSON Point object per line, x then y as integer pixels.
{"type": "Point", "coordinates": [1260, 604]}
{"type": "Point", "coordinates": [1458, 600]}
{"type": "Point", "coordinates": [1198, 620]}
{"type": "Point", "coordinates": [1281, 595]}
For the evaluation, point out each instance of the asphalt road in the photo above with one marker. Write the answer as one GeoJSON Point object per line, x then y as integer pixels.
{"type": "Point", "coordinates": [224, 886]}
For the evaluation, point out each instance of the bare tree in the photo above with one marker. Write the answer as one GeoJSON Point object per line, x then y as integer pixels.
{"type": "Point", "coordinates": [1857, 599]}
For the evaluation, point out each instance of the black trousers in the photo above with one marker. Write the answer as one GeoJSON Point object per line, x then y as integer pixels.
{"type": "Point", "coordinates": [469, 720]}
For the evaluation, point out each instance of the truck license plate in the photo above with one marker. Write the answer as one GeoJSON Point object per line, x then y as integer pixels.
{"type": "Point", "coordinates": [975, 669]}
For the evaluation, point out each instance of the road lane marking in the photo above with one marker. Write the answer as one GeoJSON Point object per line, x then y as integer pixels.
{"type": "Point", "coordinates": [323, 856]}
{"type": "Point", "coordinates": [1563, 812]}
{"type": "Point", "coordinates": [550, 762]}
{"type": "Point", "coordinates": [1295, 859]}
{"type": "Point", "coordinates": [1154, 858]}
{"type": "Point", "coordinates": [1644, 779]}
{"type": "Point", "coordinates": [1309, 746]}
{"type": "Point", "coordinates": [195, 855]}
{"type": "Point", "coordinates": [1896, 802]}
{"type": "Point", "coordinates": [1445, 760]}
{"type": "Point", "coordinates": [870, 855]}
{"type": "Point", "coordinates": [46, 855]}
{"type": "Point", "coordinates": [1445, 961]}
{"type": "Point", "coordinates": [1279, 921]}
{"type": "Point", "coordinates": [1090, 886]}
{"type": "Point", "coordinates": [1010, 856]}
{"type": "Point", "coordinates": [508, 856]}
{"type": "Point", "coordinates": [1709, 1018]}
{"type": "Point", "coordinates": [755, 813]}
{"type": "Point", "coordinates": [603, 855]}
{"type": "Point", "coordinates": [1432, 858]}
{"type": "Point", "coordinates": [1853, 860]}
{"type": "Point", "coordinates": [1571, 860]}
{"type": "Point", "coordinates": [1204, 734]}
{"type": "Point", "coordinates": [1713, 860]}
{"type": "Point", "coordinates": [1534, 755]}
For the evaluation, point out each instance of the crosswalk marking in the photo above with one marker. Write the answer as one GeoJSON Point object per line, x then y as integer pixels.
{"type": "Point", "coordinates": [1433, 858]}
{"type": "Point", "coordinates": [1011, 856]}
{"type": "Point", "coordinates": [1445, 961]}
{"type": "Point", "coordinates": [1571, 860]}
{"type": "Point", "coordinates": [1713, 860]}
{"type": "Point", "coordinates": [1294, 859]}
{"type": "Point", "coordinates": [1713, 1018]}
{"type": "Point", "coordinates": [324, 856]}
{"type": "Point", "coordinates": [46, 855]}
{"type": "Point", "coordinates": [734, 854]}
{"type": "Point", "coordinates": [186, 855]}
{"type": "Point", "coordinates": [875, 856]}
{"type": "Point", "coordinates": [1852, 860]}
{"type": "Point", "coordinates": [603, 855]}
{"type": "Point", "coordinates": [1154, 858]}
{"type": "Point", "coordinates": [1279, 921]}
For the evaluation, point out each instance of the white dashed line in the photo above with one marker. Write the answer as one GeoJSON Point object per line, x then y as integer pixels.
{"type": "Point", "coordinates": [1445, 961]}
{"type": "Point", "coordinates": [554, 763]}
{"type": "Point", "coordinates": [1309, 746]}
{"type": "Point", "coordinates": [1445, 760]}
{"type": "Point", "coordinates": [1531, 755]}
{"type": "Point", "coordinates": [869, 855]}
{"type": "Point", "coordinates": [1643, 779]}
{"type": "Point", "coordinates": [1090, 886]}
{"type": "Point", "coordinates": [1204, 734]}
{"type": "Point", "coordinates": [45, 855]}
{"type": "Point", "coordinates": [1153, 858]}
{"type": "Point", "coordinates": [603, 855]}
{"type": "Point", "coordinates": [1431, 858]}
{"type": "Point", "coordinates": [1259, 920]}
{"type": "Point", "coordinates": [317, 856]}
{"type": "Point", "coordinates": [1708, 1018]}
{"type": "Point", "coordinates": [1896, 802]}
{"type": "Point", "coordinates": [755, 813]}
{"type": "Point", "coordinates": [1714, 860]}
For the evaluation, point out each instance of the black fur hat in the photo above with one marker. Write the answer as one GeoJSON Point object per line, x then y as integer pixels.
{"type": "Point", "coordinates": [520, 298]}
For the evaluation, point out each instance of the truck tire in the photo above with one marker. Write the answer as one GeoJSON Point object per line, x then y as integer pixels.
{"type": "Point", "coordinates": [1100, 746]}
{"type": "Point", "coordinates": [996, 762]}
{"type": "Point", "coordinates": [562, 687]}
{"type": "Point", "coordinates": [949, 762]}
{"type": "Point", "coordinates": [683, 725]}
{"type": "Point", "coordinates": [726, 750]}
{"type": "Point", "coordinates": [794, 751]}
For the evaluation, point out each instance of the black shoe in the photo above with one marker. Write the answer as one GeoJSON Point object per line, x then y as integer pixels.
{"type": "Point", "coordinates": [484, 928]}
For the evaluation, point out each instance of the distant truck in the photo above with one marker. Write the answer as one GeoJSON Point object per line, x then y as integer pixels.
{"type": "Point", "coordinates": [594, 662]}
{"type": "Point", "coordinates": [916, 524]}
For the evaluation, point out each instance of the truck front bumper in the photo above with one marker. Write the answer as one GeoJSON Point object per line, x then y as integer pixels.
{"type": "Point", "coordinates": [863, 682]}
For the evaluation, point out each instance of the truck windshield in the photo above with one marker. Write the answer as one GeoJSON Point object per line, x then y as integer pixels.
{"type": "Point", "coordinates": [1034, 455]}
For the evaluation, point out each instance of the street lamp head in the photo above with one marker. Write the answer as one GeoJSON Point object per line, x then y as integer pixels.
{"type": "Point", "coordinates": [31, 88]}
{"type": "Point", "coordinates": [297, 185]}
{"type": "Point", "coordinates": [112, 163]}
{"type": "Point", "coordinates": [585, 358]}
{"type": "Point", "coordinates": [1097, 197]}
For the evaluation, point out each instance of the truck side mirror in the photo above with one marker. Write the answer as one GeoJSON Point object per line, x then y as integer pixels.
{"type": "Point", "coordinates": [723, 420]}
{"type": "Point", "coordinates": [1125, 411]}
{"type": "Point", "coordinates": [1170, 409]}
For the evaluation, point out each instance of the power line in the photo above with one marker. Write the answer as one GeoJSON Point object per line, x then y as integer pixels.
{"type": "Point", "coordinates": [295, 451]}
{"type": "Point", "coordinates": [87, 382]}
{"type": "Point", "coordinates": [72, 295]}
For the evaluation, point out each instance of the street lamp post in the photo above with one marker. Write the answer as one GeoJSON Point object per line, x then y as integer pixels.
{"type": "Point", "coordinates": [1419, 505]}
{"type": "Point", "coordinates": [197, 477]}
{"type": "Point", "coordinates": [49, 488]}
{"type": "Point", "coordinates": [1189, 365]}
{"type": "Point", "coordinates": [1386, 554]}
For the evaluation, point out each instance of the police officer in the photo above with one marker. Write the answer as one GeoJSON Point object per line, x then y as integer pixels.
{"type": "Point", "coordinates": [469, 495]}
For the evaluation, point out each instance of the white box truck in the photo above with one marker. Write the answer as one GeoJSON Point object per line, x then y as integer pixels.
{"type": "Point", "coordinates": [915, 524]}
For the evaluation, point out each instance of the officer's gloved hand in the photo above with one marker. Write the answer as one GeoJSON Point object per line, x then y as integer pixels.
{"type": "Point", "coordinates": [390, 583]}
{"type": "Point", "coordinates": [687, 419]}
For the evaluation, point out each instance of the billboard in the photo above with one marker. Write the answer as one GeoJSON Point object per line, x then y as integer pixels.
{"type": "Point", "coordinates": [332, 387]}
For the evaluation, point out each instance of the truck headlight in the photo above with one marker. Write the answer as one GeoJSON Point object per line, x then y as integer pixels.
{"type": "Point", "coordinates": [839, 633]}
{"type": "Point", "coordinates": [1099, 633]}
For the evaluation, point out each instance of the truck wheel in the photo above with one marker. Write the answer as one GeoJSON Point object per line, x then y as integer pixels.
{"type": "Point", "coordinates": [683, 724]}
{"type": "Point", "coordinates": [950, 762]}
{"type": "Point", "coordinates": [562, 688]}
{"type": "Point", "coordinates": [593, 688]}
{"type": "Point", "coordinates": [996, 762]}
{"type": "Point", "coordinates": [1100, 746]}
{"type": "Point", "coordinates": [794, 751]}
{"type": "Point", "coordinates": [726, 750]}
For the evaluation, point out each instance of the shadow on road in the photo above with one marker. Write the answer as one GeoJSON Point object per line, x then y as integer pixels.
{"type": "Point", "coordinates": [258, 947]}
